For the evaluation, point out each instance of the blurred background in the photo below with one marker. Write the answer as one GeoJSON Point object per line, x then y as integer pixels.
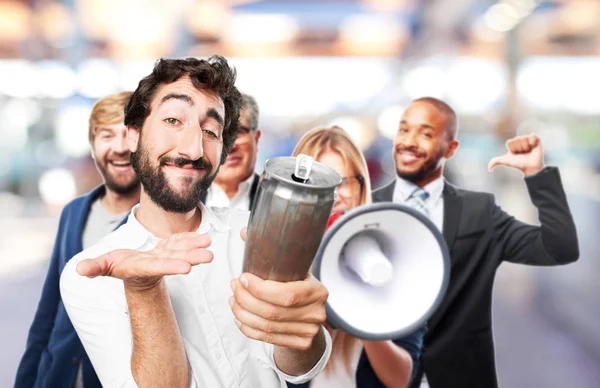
{"type": "Point", "coordinates": [508, 67]}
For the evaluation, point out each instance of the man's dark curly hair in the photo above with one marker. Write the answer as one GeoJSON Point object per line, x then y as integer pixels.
{"type": "Point", "coordinates": [213, 75]}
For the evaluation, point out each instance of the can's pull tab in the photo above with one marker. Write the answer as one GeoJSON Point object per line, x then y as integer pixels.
{"type": "Point", "coordinates": [304, 164]}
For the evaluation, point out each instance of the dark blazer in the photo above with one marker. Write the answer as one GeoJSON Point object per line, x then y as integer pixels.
{"type": "Point", "coordinates": [53, 351]}
{"type": "Point", "coordinates": [459, 349]}
{"type": "Point", "coordinates": [365, 375]}
{"type": "Point", "coordinates": [252, 193]}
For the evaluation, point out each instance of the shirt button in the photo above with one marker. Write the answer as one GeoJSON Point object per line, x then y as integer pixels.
{"type": "Point", "coordinates": [218, 355]}
{"type": "Point", "coordinates": [74, 361]}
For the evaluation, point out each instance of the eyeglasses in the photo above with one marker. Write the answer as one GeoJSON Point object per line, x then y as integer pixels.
{"type": "Point", "coordinates": [244, 130]}
{"type": "Point", "coordinates": [244, 134]}
{"type": "Point", "coordinates": [349, 186]}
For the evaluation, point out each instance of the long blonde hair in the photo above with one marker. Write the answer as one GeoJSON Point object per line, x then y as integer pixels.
{"type": "Point", "coordinates": [314, 143]}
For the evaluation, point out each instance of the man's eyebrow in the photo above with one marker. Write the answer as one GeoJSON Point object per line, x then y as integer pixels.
{"type": "Point", "coordinates": [422, 125]}
{"type": "Point", "coordinates": [175, 96]}
{"type": "Point", "coordinates": [212, 113]}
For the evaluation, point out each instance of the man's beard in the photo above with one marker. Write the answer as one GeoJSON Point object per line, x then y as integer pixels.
{"type": "Point", "coordinates": [112, 183]}
{"type": "Point", "coordinates": [428, 167]}
{"type": "Point", "coordinates": [157, 186]}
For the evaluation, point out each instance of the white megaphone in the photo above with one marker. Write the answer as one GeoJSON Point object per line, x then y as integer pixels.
{"type": "Point", "coordinates": [386, 267]}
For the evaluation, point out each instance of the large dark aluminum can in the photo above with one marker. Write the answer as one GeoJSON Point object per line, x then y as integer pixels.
{"type": "Point", "coordinates": [289, 216]}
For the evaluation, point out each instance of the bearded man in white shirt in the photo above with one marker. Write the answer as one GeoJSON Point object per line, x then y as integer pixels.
{"type": "Point", "coordinates": [206, 324]}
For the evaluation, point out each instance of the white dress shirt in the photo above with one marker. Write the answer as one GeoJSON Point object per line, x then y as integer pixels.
{"type": "Point", "coordinates": [435, 209]}
{"type": "Point", "coordinates": [338, 376]}
{"type": "Point", "coordinates": [216, 197]}
{"type": "Point", "coordinates": [219, 354]}
{"type": "Point", "coordinates": [435, 203]}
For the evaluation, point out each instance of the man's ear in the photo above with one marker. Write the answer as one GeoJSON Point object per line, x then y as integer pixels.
{"type": "Point", "coordinates": [133, 138]}
{"type": "Point", "coordinates": [452, 147]}
{"type": "Point", "coordinates": [257, 135]}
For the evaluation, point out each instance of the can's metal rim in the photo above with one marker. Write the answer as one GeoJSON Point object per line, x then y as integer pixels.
{"type": "Point", "coordinates": [317, 168]}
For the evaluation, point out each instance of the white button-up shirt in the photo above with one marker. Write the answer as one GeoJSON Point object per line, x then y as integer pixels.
{"type": "Point", "coordinates": [435, 203]}
{"type": "Point", "coordinates": [216, 197]}
{"type": "Point", "coordinates": [220, 355]}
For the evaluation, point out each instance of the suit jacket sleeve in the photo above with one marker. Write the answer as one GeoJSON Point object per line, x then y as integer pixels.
{"type": "Point", "coordinates": [412, 343]}
{"type": "Point", "coordinates": [554, 242]}
{"type": "Point", "coordinates": [43, 321]}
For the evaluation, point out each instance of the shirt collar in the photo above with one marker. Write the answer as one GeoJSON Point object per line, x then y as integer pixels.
{"type": "Point", "coordinates": [403, 189]}
{"type": "Point", "coordinates": [139, 234]}
{"type": "Point", "coordinates": [243, 186]}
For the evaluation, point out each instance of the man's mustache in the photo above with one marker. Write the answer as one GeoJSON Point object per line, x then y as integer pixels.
{"type": "Point", "coordinates": [411, 150]}
{"type": "Point", "coordinates": [181, 162]}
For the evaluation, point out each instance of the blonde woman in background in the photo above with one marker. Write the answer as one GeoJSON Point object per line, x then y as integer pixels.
{"type": "Point", "coordinates": [353, 362]}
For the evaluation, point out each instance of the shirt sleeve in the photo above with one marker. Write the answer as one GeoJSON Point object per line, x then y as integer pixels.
{"type": "Point", "coordinates": [98, 311]}
{"type": "Point", "coordinates": [319, 366]}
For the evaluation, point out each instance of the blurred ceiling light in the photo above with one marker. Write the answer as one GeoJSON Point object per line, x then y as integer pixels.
{"type": "Point", "coordinates": [291, 86]}
{"type": "Point", "coordinates": [475, 85]}
{"type": "Point", "coordinates": [425, 80]}
{"type": "Point", "coordinates": [132, 22]}
{"type": "Point", "coordinates": [56, 79]}
{"type": "Point", "coordinates": [18, 78]}
{"type": "Point", "coordinates": [501, 17]}
{"type": "Point", "coordinates": [561, 84]}
{"type": "Point", "coordinates": [132, 73]}
{"type": "Point", "coordinates": [580, 15]}
{"type": "Point", "coordinates": [260, 28]}
{"type": "Point", "coordinates": [97, 16]}
{"type": "Point", "coordinates": [539, 84]}
{"type": "Point", "coordinates": [16, 116]}
{"type": "Point", "coordinates": [97, 77]}
{"type": "Point", "coordinates": [57, 187]}
{"type": "Point", "coordinates": [368, 78]}
{"type": "Point", "coordinates": [54, 21]}
{"type": "Point", "coordinates": [71, 129]}
{"type": "Point", "coordinates": [140, 25]}
{"type": "Point", "coordinates": [582, 86]}
{"type": "Point", "coordinates": [386, 5]}
{"type": "Point", "coordinates": [484, 33]}
{"type": "Point", "coordinates": [362, 135]}
{"type": "Point", "coordinates": [207, 18]}
{"type": "Point", "coordinates": [389, 121]}
{"type": "Point", "coordinates": [15, 21]}
{"type": "Point", "coordinates": [372, 35]}
{"type": "Point", "coordinates": [522, 7]}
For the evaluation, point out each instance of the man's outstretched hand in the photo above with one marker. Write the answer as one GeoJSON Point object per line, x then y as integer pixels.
{"type": "Point", "coordinates": [172, 256]}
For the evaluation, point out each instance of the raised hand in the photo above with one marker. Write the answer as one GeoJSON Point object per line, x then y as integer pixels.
{"type": "Point", "coordinates": [525, 153]}
{"type": "Point", "coordinates": [174, 255]}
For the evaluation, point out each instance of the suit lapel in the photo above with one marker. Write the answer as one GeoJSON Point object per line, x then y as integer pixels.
{"type": "Point", "coordinates": [452, 210]}
{"type": "Point", "coordinates": [385, 194]}
{"type": "Point", "coordinates": [82, 217]}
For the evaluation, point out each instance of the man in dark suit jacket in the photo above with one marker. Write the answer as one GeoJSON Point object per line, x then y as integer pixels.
{"type": "Point", "coordinates": [54, 355]}
{"type": "Point", "coordinates": [458, 348]}
{"type": "Point", "coordinates": [236, 183]}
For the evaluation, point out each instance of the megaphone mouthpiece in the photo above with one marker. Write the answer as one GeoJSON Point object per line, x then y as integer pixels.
{"type": "Point", "coordinates": [364, 257]}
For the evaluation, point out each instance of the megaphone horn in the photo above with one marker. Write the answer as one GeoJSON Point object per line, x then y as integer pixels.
{"type": "Point", "coordinates": [386, 267]}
